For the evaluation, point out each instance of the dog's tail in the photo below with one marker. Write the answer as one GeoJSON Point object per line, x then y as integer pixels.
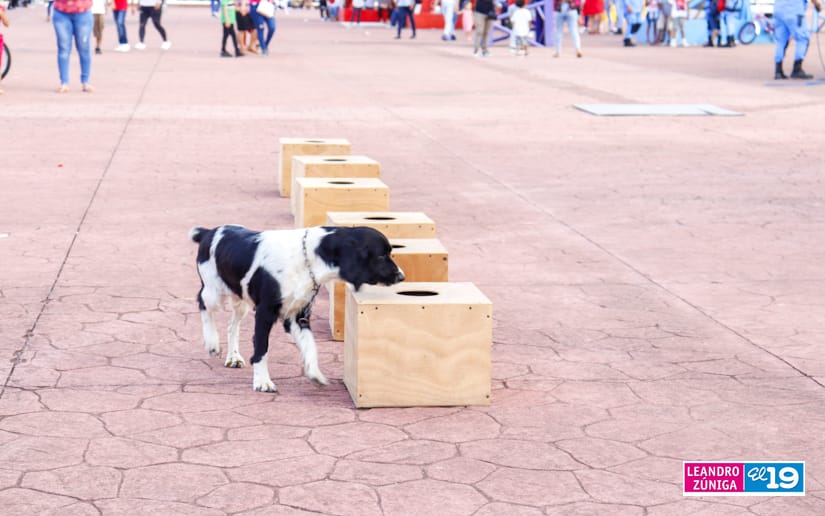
{"type": "Point", "coordinates": [197, 234]}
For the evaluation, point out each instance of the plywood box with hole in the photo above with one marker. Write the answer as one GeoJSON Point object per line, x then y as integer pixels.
{"type": "Point", "coordinates": [418, 344]}
{"type": "Point", "coordinates": [315, 196]}
{"type": "Point", "coordinates": [290, 147]}
{"type": "Point", "coordinates": [332, 166]}
{"type": "Point", "coordinates": [421, 259]}
{"type": "Point", "coordinates": [394, 224]}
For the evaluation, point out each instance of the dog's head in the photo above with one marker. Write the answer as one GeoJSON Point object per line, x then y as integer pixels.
{"type": "Point", "coordinates": [361, 254]}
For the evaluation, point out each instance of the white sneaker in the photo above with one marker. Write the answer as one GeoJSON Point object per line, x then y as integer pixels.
{"type": "Point", "coordinates": [122, 48]}
{"type": "Point", "coordinates": [140, 46]}
{"type": "Point", "coordinates": [685, 43]}
{"type": "Point", "coordinates": [673, 43]}
{"type": "Point", "coordinates": [165, 45]}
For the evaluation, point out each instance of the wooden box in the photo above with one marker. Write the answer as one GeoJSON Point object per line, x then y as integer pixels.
{"type": "Point", "coordinates": [332, 166]}
{"type": "Point", "coordinates": [290, 147]}
{"type": "Point", "coordinates": [417, 344]}
{"type": "Point", "coordinates": [421, 259]}
{"type": "Point", "coordinates": [315, 196]}
{"type": "Point", "coordinates": [394, 224]}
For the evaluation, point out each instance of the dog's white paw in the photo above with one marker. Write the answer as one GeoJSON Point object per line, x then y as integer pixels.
{"type": "Point", "coordinates": [317, 376]}
{"type": "Point", "coordinates": [265, 385]}
{"type": "Point", "coordinates": [213, 348]}
{"type": "Point", "coordinates": [234, 360]}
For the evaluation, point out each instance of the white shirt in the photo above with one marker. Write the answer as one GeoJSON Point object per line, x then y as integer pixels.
{"type": "Point", "coordinates": [98, 6]}
{"type": "Point", "coordinates": [521, 21]}
{"type": "Point", "coordinates": [358, 4]}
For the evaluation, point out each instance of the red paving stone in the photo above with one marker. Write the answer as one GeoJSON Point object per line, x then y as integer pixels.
{"type": "Point", "coordinates": [657, 282]}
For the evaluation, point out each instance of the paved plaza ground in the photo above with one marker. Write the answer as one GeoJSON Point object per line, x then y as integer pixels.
{"type": "Point", "coordinates": [657, 282]}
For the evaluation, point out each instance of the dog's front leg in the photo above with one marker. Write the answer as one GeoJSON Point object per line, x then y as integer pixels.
{"type": "Point", "coordinates": [265, 317]}
{"type": "Point", "coordinates": [298, 328]}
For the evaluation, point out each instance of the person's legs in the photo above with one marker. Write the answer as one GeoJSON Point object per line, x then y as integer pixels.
{"type": "Point", "coordinates": [802, 37]}
{"type": "Point", "coordinates": [258, 20]}
{"type": "Point", "coordinates": [447, 12]}
{"type": "Point", "coordinates": [782, 34]}
{"type": "Point", "coordinates": [223, 40]}
{"type": "Point", "coordinates": [572, 25]}
{"type": "Point", "coordinates": [63, 31]}
{"type": "Point", "coordinates": [145, 14]}
{"type": "Point", "coordinates": [270, 31]}
{"type": "Point", "coordinates": [234, 41]}
{"type": "Point", "coordinates": [401, 20]}
{"type": "Point", "coordinates": [98, 31]}
{"type": "Point", "coordinates": [558, 22]}
{"type": "Point", "coordinates": [478, 22]}
{"type": "Point", "coordinates": [120, 23]}
{"type": "Point", "coordinates": [412, 20]}
{"type": "Point", "coordinates": [83, 23]}
{"type": "Point", "coordinates": [485, 35]}
{"type": "Point", "coordinates": [156, 14]}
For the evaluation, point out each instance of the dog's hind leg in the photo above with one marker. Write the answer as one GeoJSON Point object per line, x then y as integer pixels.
{"type": "Point", "coordinates": [208, 304]}
{"type": "Point", "coordinates": [233, 354]}
{"type": "Point", "coordinates": [298, 328]}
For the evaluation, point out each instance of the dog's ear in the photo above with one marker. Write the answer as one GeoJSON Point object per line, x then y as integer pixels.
{"type": "Point", "coordinates": [334, 246]}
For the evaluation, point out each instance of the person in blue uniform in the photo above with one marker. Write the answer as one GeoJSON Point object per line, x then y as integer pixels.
{"type": "Point", "coordinates": [789, 17]}
{"type": "Point", "coordinates": [712, 20]}
{"type": "Point", "coordinates": [633, 17]}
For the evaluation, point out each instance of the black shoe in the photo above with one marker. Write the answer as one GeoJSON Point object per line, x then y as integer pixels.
{"type": "Point", "coordinates": [709, 44]}
{"type": "Point", "coordinates": [97, 50]}
{"type": "Point", "coordinates": [398, 37]}
{"type": "Point", "coordinates": [778, 73]}
{"type": "Point", "coordinates": [798, 72]}
{"type": "Point", "coordinates": [413, 36]}
{"type": "Point", "coordinates": [629, 43]}
{"type": "Point", "coordinates": [452, 37]}
{"type": "Point", "coordinates": [238, 53]}
{"type": "Point", "coordinates": [224, 53]}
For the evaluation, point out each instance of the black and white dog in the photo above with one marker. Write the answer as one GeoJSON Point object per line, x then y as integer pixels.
{"type": "Point", "coordinates": [277, 273]}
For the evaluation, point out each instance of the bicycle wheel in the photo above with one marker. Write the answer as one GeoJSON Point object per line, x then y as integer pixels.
{"type": "Point", "coordinates": [747, 33]}
{"type": "Point", "coordinates": [6, 61]}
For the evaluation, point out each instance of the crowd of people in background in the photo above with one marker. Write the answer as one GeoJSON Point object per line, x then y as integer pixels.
{"type": "Point", "coordinates": [250, 24]}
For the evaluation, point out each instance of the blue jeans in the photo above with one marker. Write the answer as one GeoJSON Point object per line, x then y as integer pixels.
{"type": "Point", "coordinates": [405, 12]}
{"type": "Point", "coordinates": [261, 22]}
{"type": "Point", "coordinates": [79, 27]}
{"type": "Point", "coordinates": [120, 23]}
{"type": "Point", "coordinates": [571, 18]}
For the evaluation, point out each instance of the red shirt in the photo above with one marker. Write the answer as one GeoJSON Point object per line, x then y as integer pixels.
{"type": "Point", "coordinates": [121, 5]}
{"type": "Point", "coordinates": [73, 6]}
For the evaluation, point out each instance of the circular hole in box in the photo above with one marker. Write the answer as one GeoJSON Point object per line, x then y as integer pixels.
{"type": "Point", "coordinates": [379, 218]}
{"type": "Point", "coordinates": [340, 182]}
{"type": "Point", "coordinates": [397, 246]}
{"type": "Point", "coordinates": [417, 293]}
{"type": "Point", "coordinates": [335, 159]}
